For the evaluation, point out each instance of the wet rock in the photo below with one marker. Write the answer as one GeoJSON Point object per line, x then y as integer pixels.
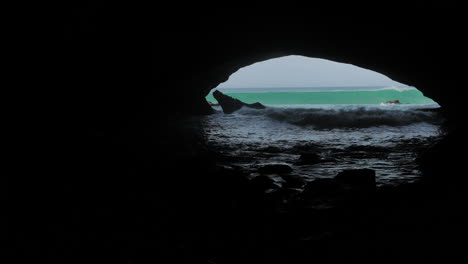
{"type": "Point", "coordinates": [292, 181]}
{"type": "Point", "coordinates": [229, 104]}
{"type": "Point", "coordinates": [446, 158]}
{"type": "Point", "coordinates": [278, 168]}
{"type": "Point", "coordinates": [359, 179]}
{"type": "Point", "coordinates": [309, 158]}
{"type": "Point", "coordinates": [263, 183]}
{"type": "Point", "coordinates": [231, 177]}
{"type": "Point", "coordinates": [321, 187]}
{"type": "Point", "coordinates": [281, 195]}
{"type": "Point", "coordinates": [256, 105]}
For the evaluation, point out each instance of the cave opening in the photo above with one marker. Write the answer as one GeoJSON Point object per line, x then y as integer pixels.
{"type": "Point", "coordinates": [321, 118]}
{"type": "Point", "coordinates": [131, 180]}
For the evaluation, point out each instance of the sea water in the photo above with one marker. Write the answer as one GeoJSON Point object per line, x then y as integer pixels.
{"type": "Point", "coordinates": [326, 95]}
{"type": "Point", "coordinates": [348, 127]}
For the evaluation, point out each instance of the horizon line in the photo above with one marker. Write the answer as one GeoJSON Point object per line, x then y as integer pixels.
{"type": "Point", "coordinates": [279, 87]}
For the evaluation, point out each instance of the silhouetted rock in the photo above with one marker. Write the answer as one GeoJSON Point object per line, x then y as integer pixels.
{"type": "Point", "coordinates": [281, 195]}
{"type": "Point", "coordinates": [309, 158]}
{"type": "Point", "coordinates": [357, 179]}
{"type": "Point", "coordinates": [447, 158]}
{"type": "Point", "coordinates": [263, 182]}
{"type": "Point", "coordinates": [320, 187]}
{"type": "Point", "coordinates": [278, 168]}
{"type": "Point", "coordinates": [293, 181]}
{"type": "Point", "coordinates": [393, 102]}
{"type": "Point", "coordinates": [229, 104]}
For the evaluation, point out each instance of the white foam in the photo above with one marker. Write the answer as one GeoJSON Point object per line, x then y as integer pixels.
{"type": "Point", "coordinates": [399, 89]}
{"type": "Point", "coordinates": [345, 116]}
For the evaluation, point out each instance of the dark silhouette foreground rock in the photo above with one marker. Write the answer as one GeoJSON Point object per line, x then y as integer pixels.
{"type": "Point", "coordinates": [357, 179]}
{"type": "Point", "coordinates": [320, 187]}
{"type": "Point", "coordinates": [263, 183]}
{"type": "Point", "coordinates": [229, 104]}
{"type": "Point", "coordinates": [292, 181]}
{"type": "Point", "coordinates": [342, 185]}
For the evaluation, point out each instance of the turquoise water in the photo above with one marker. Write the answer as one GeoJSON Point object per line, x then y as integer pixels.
{"type": "Point", "coordinates": [326, 95]}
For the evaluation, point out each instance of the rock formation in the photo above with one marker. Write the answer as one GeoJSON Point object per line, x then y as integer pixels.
{"type": "Point", "coordinates": [363, 179]}
{"type": "Point", "coordinates": [229, 104]}
{"type": "Point", "coordinates": [309, 158]}
{"type": "Point", "coordinates": [114, 189]}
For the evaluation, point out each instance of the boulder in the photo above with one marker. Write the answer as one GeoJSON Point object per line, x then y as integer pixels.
{"type": "Point", "coordinates": [321, 187]}
{"type": "Point", "coordinates": [309, 158]}
{"type": "Point", "coordinates": [292, 181]}
{"type": "Point", "coordinates": [393, 102]}
{"type": "Point", "coordinates": [229, 104]}
{"type": "Point", "coordinates": [359, 179]}
{"type": "Point", "coordinates": [346, 184]}
{"type": "Point", "coordinates": [263, 183]}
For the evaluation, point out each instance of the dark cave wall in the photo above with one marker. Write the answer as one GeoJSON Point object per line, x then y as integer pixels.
{"type": "Point", "coordinates": [127, 72]}
{"type": "Point", "coordinates": [422, 54]}
{"type": "Point", "coordinates": [126, 61]}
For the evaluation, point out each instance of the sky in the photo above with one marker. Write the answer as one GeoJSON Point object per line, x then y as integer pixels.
{"type": "Point", "coordinates": [300, 71]}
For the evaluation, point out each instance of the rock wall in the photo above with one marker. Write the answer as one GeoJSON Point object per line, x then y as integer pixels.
{"type": "Point", "coordinates": [128, 70]}
{"type": "Point", "coordinates": [124, 177]}
{"type": "Point", "coordinates": [155, 62]}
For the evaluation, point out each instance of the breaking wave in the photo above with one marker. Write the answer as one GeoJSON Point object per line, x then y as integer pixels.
{"type": "Point", "coordinates": [345, 117]}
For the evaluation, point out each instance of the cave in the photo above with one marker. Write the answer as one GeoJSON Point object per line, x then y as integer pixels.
{"type": "Point", "coordinates": [318, 118]}
{"type": "Point", "coordinates": [131, 179]}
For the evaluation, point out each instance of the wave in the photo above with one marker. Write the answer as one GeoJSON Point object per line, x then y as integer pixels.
{"type": "Point", "coordinates": [395, 88]}
{"type": "Point", "coordinates": [368, 89]}
{"type": "Point", "coordinates": [346, 117]}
